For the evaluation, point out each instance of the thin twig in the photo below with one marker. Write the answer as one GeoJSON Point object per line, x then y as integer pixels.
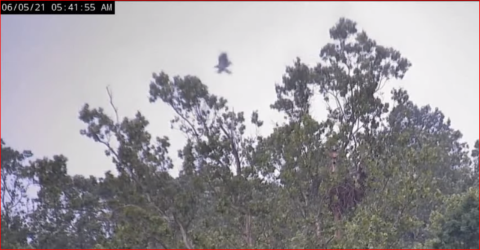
{"type": "Point", "coordinates": [115, 109]}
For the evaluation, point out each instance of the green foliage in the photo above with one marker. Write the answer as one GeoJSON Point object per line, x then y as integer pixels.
{"type": "Point", "coordinates": [475, 164]}
{"type": "Point", "coordinates": [371, 175]}
{"type": "Point", "coordinates": [455, 225]}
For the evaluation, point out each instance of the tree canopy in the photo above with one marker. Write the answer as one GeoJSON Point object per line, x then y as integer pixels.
{"type": "Point", "coordinates": [373, 174]}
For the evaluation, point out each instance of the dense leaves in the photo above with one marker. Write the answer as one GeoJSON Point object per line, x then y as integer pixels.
{"type": "Point", "coordinates": [455, 225]}
{"type": "Point", "coordinates": [373, 174]}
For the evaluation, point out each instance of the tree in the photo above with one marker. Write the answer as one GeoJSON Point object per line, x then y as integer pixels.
{"type": "Point", "coordinates": [475, 164]}
{"type": "Point", "coordinates": [455, 225]}
{"type": "Point", "coordinates": [373, 174]}
{"type": "Point", "coordinates": [14, 198]}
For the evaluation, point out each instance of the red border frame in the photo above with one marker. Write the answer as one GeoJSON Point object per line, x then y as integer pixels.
{"type": "Point", "coordinates": [185, 1]}
{"type": "Point", "coordinates": [263, 0]}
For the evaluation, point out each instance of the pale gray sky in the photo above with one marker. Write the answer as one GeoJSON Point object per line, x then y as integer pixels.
{"type": "Point", "coordinates": [52, 65]}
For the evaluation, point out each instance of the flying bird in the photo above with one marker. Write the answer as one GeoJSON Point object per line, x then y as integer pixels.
{"type": "Point", "coordinates": [223, 64]}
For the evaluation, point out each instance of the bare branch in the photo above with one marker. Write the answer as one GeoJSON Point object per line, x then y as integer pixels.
{"type": "Point", "coordinates": [115, 109]}
{"type": "Point", "coordinates": [234, 149]}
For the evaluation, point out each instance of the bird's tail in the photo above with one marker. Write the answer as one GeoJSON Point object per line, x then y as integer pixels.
{"type": "Point", "coordinates": [227, 71]}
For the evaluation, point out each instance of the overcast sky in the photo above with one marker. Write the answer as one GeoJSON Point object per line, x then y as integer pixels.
{"type": "Point", "coordinates": [52, 65]}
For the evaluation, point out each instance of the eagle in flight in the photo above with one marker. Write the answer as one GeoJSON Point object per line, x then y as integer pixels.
{"type": "Point", "coordinates": [223, 64]}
